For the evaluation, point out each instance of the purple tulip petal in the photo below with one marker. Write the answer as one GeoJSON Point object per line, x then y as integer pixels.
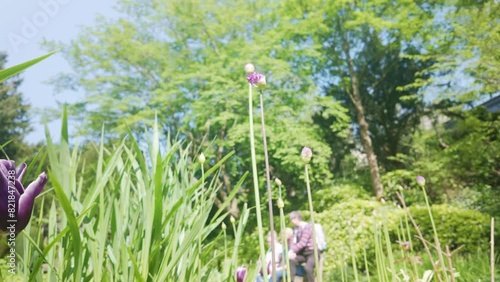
{"type": "Point", "coordinates": [20, 171]}
{"type": "Point", "coordinates": [8, 165]}
{"type": "Point", "coordinates": [4, 196]}
{"type": "Point", "coordinates": [27, 199]}
{"type": "Point", "coordinates": [19, 187]}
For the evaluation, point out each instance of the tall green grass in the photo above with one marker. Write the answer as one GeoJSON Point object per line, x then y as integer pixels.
{"type": "Point", "coordinates": [140, 217]}
{"type": "Point", "coordinates": [145, 215]}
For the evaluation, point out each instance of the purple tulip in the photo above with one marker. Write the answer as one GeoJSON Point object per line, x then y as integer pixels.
{"type": "Point", "coordinates": [16, 203]}
{"type": "Point", "coordinates": [241, 273]}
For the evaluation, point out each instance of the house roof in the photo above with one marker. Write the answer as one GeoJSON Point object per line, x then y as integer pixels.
{"type": "Point", "coordinates": [493, 104]}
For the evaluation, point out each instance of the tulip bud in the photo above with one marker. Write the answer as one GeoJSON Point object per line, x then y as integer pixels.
{"type": "Point", "coordinates": [249, 68]}
{"type": "Point", "coordinates": [241, 273]}
{"type": "Point", "coordinates": [278, 181]}
{"type": "Point", "coordinates": [201, 158]}
{"type": "Point", "coordinates": [306, 154]}
{"type": "Point", "coordinates": [281, 204]}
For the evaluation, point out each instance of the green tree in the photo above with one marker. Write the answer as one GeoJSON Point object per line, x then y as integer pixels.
{"type": "Point", "coordinates": [15, 123]}
{"type": "Point", "coordinates": [462, 39]}
{"type": "Point", "coordinates": [368, 49]}
{"type": "Point", "coordinates": [184, 60]}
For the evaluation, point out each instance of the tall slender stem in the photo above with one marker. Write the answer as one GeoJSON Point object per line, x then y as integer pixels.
{"type": "Point", "coordinates": [492, 250]}
{"type": "Point", "coordinates": [420, 235]}
{"type": "Point", "coordinates": [268, 181]}
{"type": "Point", "coordinates": [284, 237]}
{"type": "Point", "coordinates": [316, 255]}
{"type": "Point", "coordinates": [256, 182]}
{"type": "Point", "coordinates": [202, 195]}
{"type": "Point", "coordinates": [436, 238]}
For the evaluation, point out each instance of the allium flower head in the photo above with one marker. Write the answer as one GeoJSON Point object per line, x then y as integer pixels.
{"type": "Point", "coordinates": [16, 203]}
{"type": "Point", "coordinates": [406, 246]}
{"type": "Point", "coordinates": [232, 219]}
{"type": "Point", "coordinates": [201, 158]}
{"type": "Point", "coordinates": [281, 204]}
{"type": "Point", "coordinates": [249, 68]}
{"type": "Point", "coordinates": [306, 154]}
{"type": "Point", "coordinates": [421, 180]}
{"type": "Point", "coordinates": [223, 225]}
{"type": "Point", "coordinates": [278, 181]}
{"type": "Point", "coordinates": [241, 273]}
{"type": "Point", "coordinates": [257, 79]}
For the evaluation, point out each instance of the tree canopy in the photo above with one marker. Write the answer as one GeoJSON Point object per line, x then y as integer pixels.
{"type": "Point", "coordinates": [350, 79]}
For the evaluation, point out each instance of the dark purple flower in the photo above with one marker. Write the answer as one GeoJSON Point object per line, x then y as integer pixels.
{"type": "Point", "coordinates": [16, 203]}
{"type": "Point", "coordinates": [241, 273]}
{"type": "Point", "coordinates": [257, 79]}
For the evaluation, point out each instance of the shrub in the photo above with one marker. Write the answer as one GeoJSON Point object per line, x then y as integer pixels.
{"type": "Point", "coordinates": [323, 199]}
{"type": "Point", "coordinates": [455, 227]}
{"type": "Point", "coordinates": [349, 227]}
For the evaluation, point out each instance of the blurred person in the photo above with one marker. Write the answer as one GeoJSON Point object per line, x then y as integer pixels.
{"type": "Point", "coordinates": [302, 250]}
{"type": "Point", "coordinates": [278, 259]}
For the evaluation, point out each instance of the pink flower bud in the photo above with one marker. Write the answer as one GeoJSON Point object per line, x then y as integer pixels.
{"type": "Point", "coordinates": [281, 204]}
{"type": "Point", "coordinates": [421, 180]}
{"type": "Point", "coordinates": [249, 68]}
{"type": "Point", "coordinates": [306, 154]}
{"type": "Point", "coordinates": [278, 181]}
{"type": "Point", "coordinates": [201, 158]}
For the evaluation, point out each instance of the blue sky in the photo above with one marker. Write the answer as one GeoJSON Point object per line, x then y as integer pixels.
{"type": "Point", "coordinates": [24, 25]}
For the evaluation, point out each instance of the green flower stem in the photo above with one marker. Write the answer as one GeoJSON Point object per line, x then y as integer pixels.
{"type": "Point", "coordinates": [436, 238]}
{"type": "Point", "coordinates": [353, 253]}
{"type": "Point", "coordinates": [202, 195]}
{"type": "Point", "coordinates": [256, 182]}
{"type": "Point", "coordinates": [388, 244]}
{"type": "Point", "coordinates": [309, 195]}
{"type": "Point", "coordinates": [420, 235]}
{"type": "Point", "coordinates": [268, 181]}
{"type": "Point", "coordinates": [284, 239]}
{"type": "Point", "coordinates": [366, 264]}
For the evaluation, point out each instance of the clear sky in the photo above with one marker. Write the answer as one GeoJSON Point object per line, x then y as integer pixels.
{"type": "Point", "coordinates": [23, 26]}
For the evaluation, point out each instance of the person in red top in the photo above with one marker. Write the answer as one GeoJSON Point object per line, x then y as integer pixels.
{"type": "Point", "coordinates": [302, 250]}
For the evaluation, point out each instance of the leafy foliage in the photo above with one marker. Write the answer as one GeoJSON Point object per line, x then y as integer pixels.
{"type": "Point", "coordinates": [138, 218]}
{"type": "Point", "coordinates": [14, 117]}
{"type": "Point", "coordinates": [455, 226]}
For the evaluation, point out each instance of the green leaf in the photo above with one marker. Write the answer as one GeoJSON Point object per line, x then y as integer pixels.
{"type": "Point", "coordinates": [6, 73]}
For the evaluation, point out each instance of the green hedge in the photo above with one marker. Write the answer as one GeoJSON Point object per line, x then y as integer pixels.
{"type": "Point", "coordinates": [351, 225]}
{"type": "Point", "coordinates": [455, 227]}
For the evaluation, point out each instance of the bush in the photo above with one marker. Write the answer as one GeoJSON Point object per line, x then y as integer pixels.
{"type": "Point", "coordinates": [324, 199]}
{"type": "Point", "coordinates": [455, 227]}
{"type": "Point", "coordinates": [349, 227]}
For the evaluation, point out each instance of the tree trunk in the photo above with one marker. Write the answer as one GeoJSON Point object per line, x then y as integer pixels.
{"type": "Point", "coordinates": [364, 131]}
